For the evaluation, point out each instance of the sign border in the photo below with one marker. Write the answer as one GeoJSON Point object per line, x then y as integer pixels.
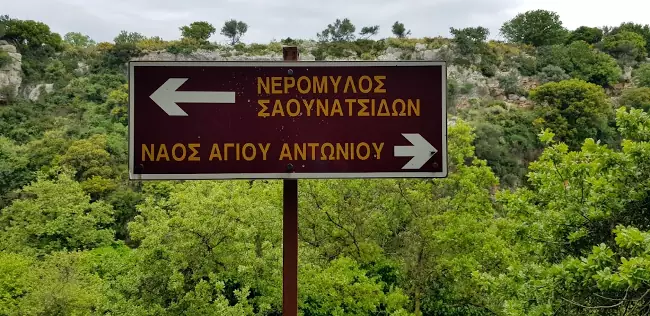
{"type": "Point", "coordinates": [286, 175]}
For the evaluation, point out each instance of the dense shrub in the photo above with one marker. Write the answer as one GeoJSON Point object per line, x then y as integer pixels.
{"type": "Point", "coordinates": [581, 61]}
{"type": "Point", "coordinates": [574, 110]}
{"type": "Point", "coordinates": [510, 84]}
{"type": "Point", "coordinates": [641, 75]}
{"type": "Point", "coordinates": [636, 98]}
{"type": "Point", "coordinates": [552, 73]}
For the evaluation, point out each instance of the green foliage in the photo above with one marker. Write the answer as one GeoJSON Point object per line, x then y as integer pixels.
{"type": "Point", "coordinates": [552, 73]}
{"type": "Point", "coordinates": [152, 44]}
{"type": "Point", "coordinates": [31, 35]}
{"type": "Point", "coordinates": [5, 59]}
{"type": "Point", "coordinates": [638, 98]}
{"type": "Point", "coordinates": [581, 61]}
{"type": "Point", "coordinates": [54, 215]}
{"type": "Point", "coordinates": [542, 210]}
{"type": "Point", "coordinates": [185, 46]}
{"type": "Point", "coordinates": [399, 30]}
{"type": "Point", "coordinates": [574, 110]}
{"type": "Point", "coordinates": [3, 25]}
{"type": "Point", "coordinates": [526, 65]}
{"type": "Point", "coordinates": [342, 288]}
{"type": "Point", "coordinates": [119, 55]}
{"type": "Point", "coordinates": [470, 40]}
{"type": "Point", "coordinates": [535, 27]}
{"type": "Point", "coordinates": [128, 38]}
{"type": "Point", "coordinates": [510, 84]}
{"type": "Point", "coordinates": [506, 139]}
{"type": "Point", "coordinates": [78, 40]}
{"type": "Point", "coordinates": [643, 30]}
{"type": "Point", "coordinates": [627, 46]}
{"type": "Point", "coordinates": [13, 168]}
{"type": "Point", "coordinates": [641, 75]}
{"type": "Point", "coordinates": [368, 31]}
{"type": "Point", "coordinates": [88, 158]}
{"type": "Point", "coordinates": [590, 35]}
{"type": "Point", "coordinates": [199, 31]}
{"type": "Point", "coordinates": [234, 30]}
{"type": "Point", "coordinates": [340, 31]}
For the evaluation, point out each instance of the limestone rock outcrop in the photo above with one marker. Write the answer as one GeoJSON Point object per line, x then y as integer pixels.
{"type": "Point", "coordinates": [10, 74]}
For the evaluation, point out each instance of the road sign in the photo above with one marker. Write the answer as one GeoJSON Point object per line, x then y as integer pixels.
{"type": "Point", "coordinates": [285, 120]}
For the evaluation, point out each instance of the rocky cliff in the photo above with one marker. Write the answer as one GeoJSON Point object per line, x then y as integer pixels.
{"type": "Point", "coordinates": [11, 73]}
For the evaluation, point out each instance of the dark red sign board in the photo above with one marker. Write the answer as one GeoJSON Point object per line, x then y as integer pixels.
{"type": "Point", "coordinates": [287, 120]}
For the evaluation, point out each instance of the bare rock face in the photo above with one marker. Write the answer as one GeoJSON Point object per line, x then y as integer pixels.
{"type": "Point", "coordinates": [35, 93]}
{"type": "Point", "coordinates": [11, 74]}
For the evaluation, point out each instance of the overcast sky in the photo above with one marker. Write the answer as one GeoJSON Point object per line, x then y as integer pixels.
{"type": "Point", "coordinates": [277, 19]}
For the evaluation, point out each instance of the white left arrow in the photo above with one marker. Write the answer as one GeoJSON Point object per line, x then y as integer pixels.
{"type": "Point", "coordinates": [166, 97]}
{"type": "Point", "coordinates": [421, 151]}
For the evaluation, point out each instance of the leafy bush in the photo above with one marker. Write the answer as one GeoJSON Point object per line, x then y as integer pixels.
{"type": "Point", "coordinates": [552, 73]}
{"type": "Point", "coordinates": [591, 35]}
{"type": "Point", "coordinates": [641, 75]}
{"type": "Point", "coordinates": [625, 46]}
{"type": "Point", "coordinates": [581, 61]}
{"type": "Point", "coordinates": [526, 65]}
{"type": "Point", "coordinates": [506, 138]}
{"type": "Point", "coordinates": [152, 44]}
{"type": "Point", "coordinates": [510, 84]}
{"type": "Point", "coordinates": [574, 110]}
{"type": "Point", "coordinates": [643, 30]}
{"type": "Point", "coordinates": [5, 59]}
{"type": "Point", "coordinates": [184, 46]}
{"type": "Point", "coordinates": [636, 98]}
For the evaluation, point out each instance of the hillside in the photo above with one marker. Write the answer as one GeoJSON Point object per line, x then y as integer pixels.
{"type": "Point", "coordinates": [543, 212]}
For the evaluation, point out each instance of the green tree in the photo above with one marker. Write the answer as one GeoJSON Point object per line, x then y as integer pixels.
{"type": "Point", "coordinates": [641, 75]}
{"type": "Point", "coordinates": [340, 31]}
{"type": "Point", "coordinates": [643, 30]}
{"type": "Point", "coordinates": [536, 27]}
{"type": "Point", "coordinates": [344, 288]}
{"type": "Point", "coordinates": [29, 34]}
{"type": "Point", "coordinates": [54, 215]}
{"type": "Point", "coordinates": [470, 40]}
{"type": "Point", "coordinates": [78, 40]}
{"type": "Point", "coordinates": [128, 38]}
{"type": "Point", "coordinates": [234, 30]}
{"type": "Point", "coordinates": [578, 226]}
{"type": "Point", "coordinates": [580, 60]}
{"type": "Point", "coordinates": [14, 171]}
{"type": "Point", "coordinates": [214, 240]}
{"type": "Point", "coordinates": [369, 31]}
{"type": "Point", "coordinates": [625, 46]}
{"type": "Point", "coordinates": [4, 19]}
{"type": "Point", "coordinates": [591, 35]}
{"type": "Point", "coordinates": [574, 110]}
{"type": "Point", "coordinates": [506, 139]}
{"type": "Point", "coordinates": [200, 31]}
{"type": "Point", "coordinates": [399, 30]}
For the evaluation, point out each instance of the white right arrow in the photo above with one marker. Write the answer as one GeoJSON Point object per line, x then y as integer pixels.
{"type": "Point", "coordinates": [421, 151]}
{"type": "Point", "coordinates": [166, 97]}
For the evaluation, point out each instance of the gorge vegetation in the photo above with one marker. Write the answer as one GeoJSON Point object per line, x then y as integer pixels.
{"type": "Point", "coordinates": [545, 210]}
